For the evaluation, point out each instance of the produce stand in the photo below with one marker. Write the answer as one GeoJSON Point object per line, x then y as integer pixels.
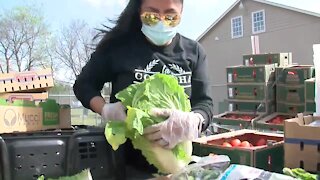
{"type": "Point", "coordinates": [263, 94]}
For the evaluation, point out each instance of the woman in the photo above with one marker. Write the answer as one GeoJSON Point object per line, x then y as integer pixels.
{"type": "Point", "coordinates": [143, 42]}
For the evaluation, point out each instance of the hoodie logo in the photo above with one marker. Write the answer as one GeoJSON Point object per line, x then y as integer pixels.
{"type": "Point", "coordinates": [154, 66]}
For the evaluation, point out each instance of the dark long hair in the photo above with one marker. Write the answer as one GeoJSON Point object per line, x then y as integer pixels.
{"type": "Point", "coordinates": [128, 24]}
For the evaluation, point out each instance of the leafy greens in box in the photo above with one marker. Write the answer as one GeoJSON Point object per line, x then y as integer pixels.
{"type": "Point", "coordinates": [158, 91]}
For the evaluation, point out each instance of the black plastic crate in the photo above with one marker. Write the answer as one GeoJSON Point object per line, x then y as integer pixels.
{"type": "Point", "coordinates": [25, 156]}
{"type": "Point", "coordinates": [88, 148]}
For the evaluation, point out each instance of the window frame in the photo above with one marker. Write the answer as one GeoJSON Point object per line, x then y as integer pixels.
{"type": "Point", "coordinates": [264, 21]}
{"type": "Point", "coordinates": [232, 32]}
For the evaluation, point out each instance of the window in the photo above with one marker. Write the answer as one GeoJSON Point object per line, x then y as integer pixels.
{"type": "Point", "coordinates": [258, 22]}
{"type": "Point", "coordinates": [236, 27]}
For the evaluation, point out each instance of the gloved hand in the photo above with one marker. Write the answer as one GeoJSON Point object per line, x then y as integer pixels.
{"type": "Point", "coordinates": [179, 127]}
{"type": "Point", "coordinates": [114, 112]}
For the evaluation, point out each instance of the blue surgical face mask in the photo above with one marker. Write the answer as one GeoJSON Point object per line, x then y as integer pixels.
{"type": "Point", "coordinates": [159, 34]}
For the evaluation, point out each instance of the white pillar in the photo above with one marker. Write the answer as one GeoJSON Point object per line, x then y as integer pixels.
{"type": "Point", "coordinates": [316, 61]}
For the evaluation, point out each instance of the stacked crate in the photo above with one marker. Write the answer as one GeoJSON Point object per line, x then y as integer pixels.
{"type": "Point", "coordinates": [290, 88]}
{"type": "Point", "coordinates": [291, 96]}
{"type": "Point", "coordinates": [29, 85]}
{"type": "Point", "coordinates": [251, 89]}
{"type": "Point", "coordinates": [24, 103]}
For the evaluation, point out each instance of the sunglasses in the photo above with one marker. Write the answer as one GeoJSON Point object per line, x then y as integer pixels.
{"type": "Point", "coordinates": [151, 19]}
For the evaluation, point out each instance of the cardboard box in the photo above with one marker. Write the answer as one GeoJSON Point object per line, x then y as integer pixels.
{"type": "Point", "coordinates": [251, 106]}
{"type": "Point", "coordinates": [310, 89]}
{"type": "Point", "coordinates": [268, 157]}
{"type": "Point", "coordinates": [302, 143]}
{"type": "Point", "coordinates": [280, 59]}
{"type": "Point", "coordinates": [23, 116]}
{"type": "Point", "coordinates": [269, 122]}
{"type": "Point", "coordinates": [250, 91]}
{"type": "Point", "coordinates": [244, 120]}
{"type": "Point", "coordinates": [251, 74]}
{"type": "Point", "coordinates": [294, 74]}
{"type": "Point", "coordinates": [290, 93]}
{"type": "Point", "coordinates": [290, 108]}
{"type": "Point", "coordinates": [65, 116]}
{"type": "Point", "coordinates": [37, 97]}
{"type": "Point", "coordinates": [30, 81]}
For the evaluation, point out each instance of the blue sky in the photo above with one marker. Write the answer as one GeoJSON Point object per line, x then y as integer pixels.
{"type": "Point", "coordinates": [198, 15]}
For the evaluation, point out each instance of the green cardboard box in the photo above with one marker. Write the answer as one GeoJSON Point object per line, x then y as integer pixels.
{"type": "Point", "coordinates": [251, 106]}
{"type": "Point", "coordinates": [251, 74]}
{"type": "Point", "coordinates": [290, 93]}
{"type": "Point", "coordinates": [294, 74]}
{"type": "Point", "coordinates": [280, 59]}
{"type": "Point", "coordinates": [269, 157]}
{"type": "Point", "coordinates": [310, 89]}
{"type": "Point", "coordinates": [310, 107]}
{"type": "Point", "coordinates": [290, 108]}
{"type": "Point", "coordinates": [243, 120]}
{"type": "Point", "coordinates": [266, 123]}
{"type": "Point", "coordinates": [250, 91]}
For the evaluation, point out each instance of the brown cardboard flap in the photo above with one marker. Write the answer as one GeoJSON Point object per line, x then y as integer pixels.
{"type": "Point", "coordinates": [298, 128]}
{"type": "Point", "coordinates": [294, 157]}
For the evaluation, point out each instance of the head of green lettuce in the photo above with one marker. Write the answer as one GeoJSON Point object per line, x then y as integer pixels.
{"type": "Point", "coordinates": [158, 91]}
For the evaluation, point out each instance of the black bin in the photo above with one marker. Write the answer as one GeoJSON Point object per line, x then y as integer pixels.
{"type": "Point", "coordinates": [88, 148]}
{"type": "Point", "coordinates": [26, 156]}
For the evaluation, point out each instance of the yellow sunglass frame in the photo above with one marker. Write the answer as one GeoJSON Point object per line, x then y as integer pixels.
{"type": "Point", "coordinates": [152, 18]}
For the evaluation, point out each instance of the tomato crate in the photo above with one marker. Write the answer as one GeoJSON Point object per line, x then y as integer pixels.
{"type": "Point", "coordinates": [290, 108]}
{"type": "Point", "coordinates": [310, 89]}
{"type": "Point", "coordinates": [250, 91]}
{"type": "Point", "coordinates": [251, 74]}
{"type": "Point", "coordinates": [267, 152]}
{"type": "Point", "coordinates": [29, 81]}
{"type": "Point", "coordinates": [294, 74]}
{"type": "Point", "coordinates": [243, 120]}
{"type": "Point", "coordinates": [290, 93]}
{"type": "Point", "coordinates": [272, 122]}
{"type": "Point", "coordinates": [251, 106]}
{"type": "Point", "coordinates": [280, 59]}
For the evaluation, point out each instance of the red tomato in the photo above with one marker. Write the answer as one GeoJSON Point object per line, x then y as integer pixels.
{"type": "Point", "coordinates": [277, 121]}
{"type": "Point", "coordinates": [245, 144]}
{"type": "Point", "coordinates": [261, 142]}
{"type": "Point", "coordinates": [226, 144]}
{"type": "Point", "coordinates": [235, 142]}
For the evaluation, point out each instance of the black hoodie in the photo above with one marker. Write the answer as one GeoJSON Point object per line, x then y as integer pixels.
{"type": "Point", "coordinates": [133, 61]}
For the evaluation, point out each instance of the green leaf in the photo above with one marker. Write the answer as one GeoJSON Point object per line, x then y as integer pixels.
{"type": "Point", "coordinates": [115, 133]}
{"type": "Point", "coordinates": [83, 175]}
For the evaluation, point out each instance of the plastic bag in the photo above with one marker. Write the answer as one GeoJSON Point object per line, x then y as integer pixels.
{"type": "Point", "coordinates": [205, 168]}
{"type": "Point", "coordinates": [251, 173]}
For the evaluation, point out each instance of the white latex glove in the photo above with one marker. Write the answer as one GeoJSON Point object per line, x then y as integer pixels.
{"type": "Point", "coordinates": [179, 127]}
{"type": "Point", "coordinates": [114, 112]}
